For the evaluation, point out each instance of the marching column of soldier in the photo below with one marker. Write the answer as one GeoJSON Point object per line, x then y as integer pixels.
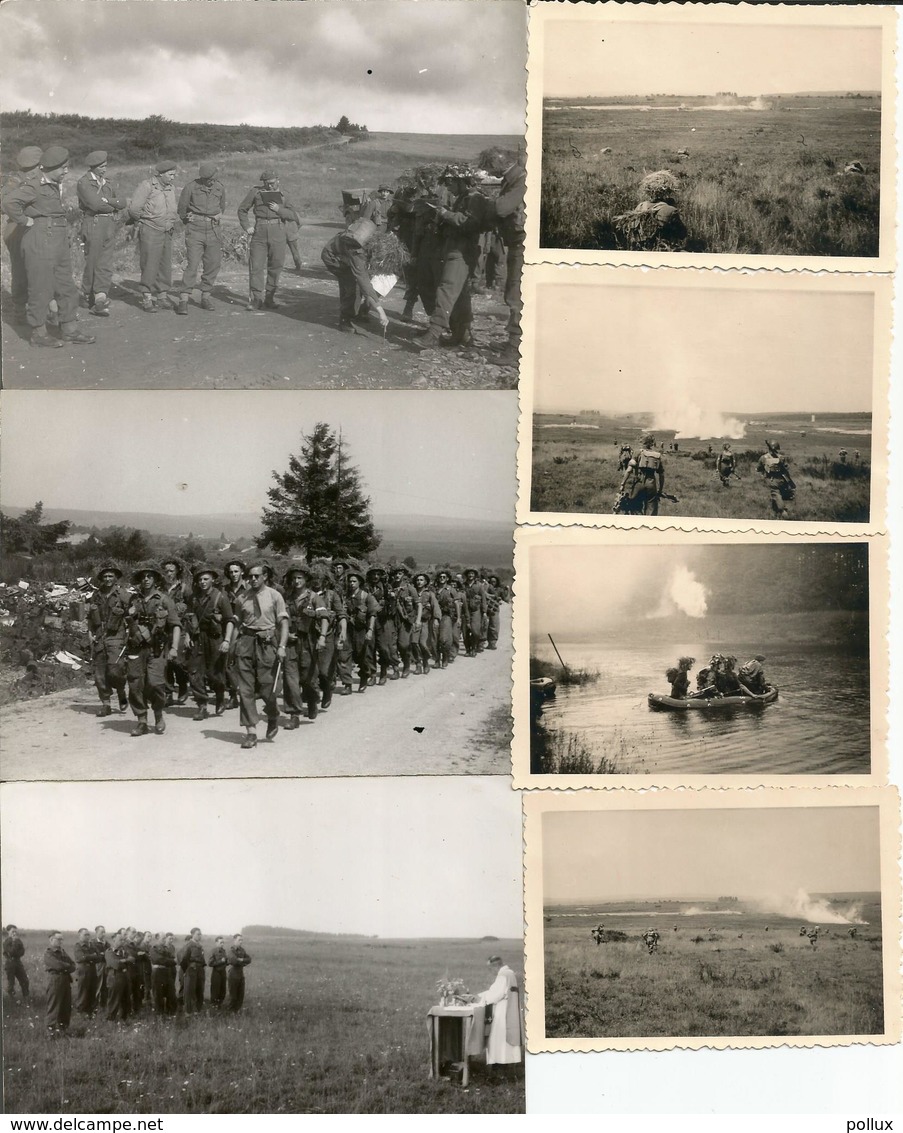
{"type": "Point", "coordinates": [130, 974]}
{"type": "Point", "coordinates": [450, 231]}
{"type": "Point", "coordinates": [229, 643]}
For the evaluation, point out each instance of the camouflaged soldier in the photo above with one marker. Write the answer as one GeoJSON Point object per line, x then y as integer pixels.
{"type": "Point", "coordinates": [408, 616]}
{"type": "Point", "coordinates": [154, 630]}
{"type": "Point", "coordinates": [108, 631]}
{"type": "Point", "coordinates": [308, 621]}
{"type": "Point", "coordinates": [100, 205]}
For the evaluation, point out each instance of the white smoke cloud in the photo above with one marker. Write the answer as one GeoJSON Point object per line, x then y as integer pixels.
{"type": "Point", "coordinates": [698, 421]}
{"type": "Point", "coordinates": [813, 910]}
{"type": "Point", "coordinates": [684, 594]}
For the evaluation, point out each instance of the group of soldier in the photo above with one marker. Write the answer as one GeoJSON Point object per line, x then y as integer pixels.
{"type": "Point", "coordinates": [719, 678]}
{"type": "Point", "coordinates": [178, 632]}
{"type": "Point", "coordinates": [442, 222]}
{"type": "Point", "coordinates": [129, 974]}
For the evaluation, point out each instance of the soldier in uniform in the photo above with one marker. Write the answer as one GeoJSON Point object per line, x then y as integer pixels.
{"type": "Point", "coordinates": [509, 207]}
{"type": "Point", "coordinates": [217, 962]}
{"type": "Point", "coordinates": [211, 627]}
{"type": "Point", "coordinates": [37, 207]}
{"type": "Point", "coordinates": [238, 960]}
{"type": "Point", "coordinates": [343, 651]}
{"type": "Point", "coordinates": [235, 584]}
{"type": "Point", "coordinates": [644, 480]}
{"type": "Point", "coordinates": [154, 629]}
{"type": "Point", "coordinates": [107, 629]}
{"type": "Point", "coordinates": [131, 942]}
{"type": "Point", "coordinates": [201, 206]}
{"type": "Point", "coordinates": [650, 939]}
{"type": "Point", "coordinates": [336, 633]}
{"type": "Point", "coordinates": [726, 465]}
{"type": "Point", "coordinates": [178, 591]}
{"type": "Point", "coordinates": [474, 607]}
{"type": "Point", "coordinates": [154, 209]}
{"type": "Point", "coordinates": [59, 966]}
{"type": "Point", "coordinates": [384, 653]}
{"type": "Point", "coordinates": [162, 957]}
{"type": "Point", "coordinates": [119, 964]}
{"type": "Point", "coordinates": [425, 268]}
{"type": "Point", "coordinates": [426, 643]}
{"type": "Point", "coordinates": [100, 947]}
{"type": "Point", "coordinates": [752, 675]}
{"type": "Point", "coordinates": [450, 615]}
{"type": "Point", "coordinates": [344, 257]}
{"type": "Point", "coordinates": [13, 968]}
{"type": "Point", "coordinates": [308, 625]}
{"type": "Point", "coordinates": [268, 241]}
{"type": "Point", "coordinates": [28, 162]}
{"type": "Point", "coordinates": [773, 466]}
{"type": "Point", "coordinates": [376, 209]}
{"type": "Point", "coordinates": [624, 454]}
{"type": "Point", "coordinates": [408, 616]}
{"type": "Point", "coordinates": [361, 610]}
{"type": "Point", "coordinates": [193, 964]}
{"type": "Point", "coordinates": [86, 957]}
{"type": "Point", "coordinates": [262, 624]}
{"type": "Point", "coordinates": [494, 599]}
{"type": "Point", "coordinates": [99, 203]}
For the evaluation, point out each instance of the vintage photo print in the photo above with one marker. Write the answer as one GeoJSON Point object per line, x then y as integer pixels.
{"type": "Point", "coordinates": [706, 657]}
{"type": "Point", "coordinates": [731, 399]}
{"type": "Point", "coordinates": [231, 585]}
{"type": "Point", "coordinates": [254, 957]}
{"type": "Point", "coordinates": [712, 919]}
{"type": "Point", "coordinates": [232, 196]}
{"type": "Point", "coordinates": [711, 134]}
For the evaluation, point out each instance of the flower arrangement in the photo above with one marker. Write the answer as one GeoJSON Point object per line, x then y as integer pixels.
{"type": "Point", "coordinates": [452, 992]}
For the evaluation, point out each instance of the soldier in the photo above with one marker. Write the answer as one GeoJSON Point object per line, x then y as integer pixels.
{"type": "Point", "coordinates": [343, 651]}
{"type": "Point", "coordinates": [726, 465]}
{"type": "Point", "coordinates": [752, 675]}
{"type": "Point", "coordinates": [260, 616]}
{"type": "Point", "coordinates": [118, 960]}
{"type": "Point", "coordinates": [449, 616]}
{"type": "Point", "coordinates": [376, 209]}
{"type": "Point", "coordinates": [193, 965]}
{"type": "Point", "coordinates": [217, 962]}
{"type": "Point", "coordinates": [509, 208]}
{"type": "Point", "coordinates": [144, 943]}
{"type": "Point", "coordinates": [842, 456]}
{"type": "Point", "coordinates": [108, 631]}
{"type": "Point", "coordinates": [163, 975]}
{"type": "Point", "coordinates": [308, 624]}
{"type": "Point", "coordinates": [474, 607]}
{"type": "Point", "coordinates": [344, 257]}
{"type": "Point", "coordinates": [201, 206]}
{"type": "Point", "coordinates": [131, 942]}
{"type": "Point", "coordinates": [153, 207]}
{"type": "Point", "coordinates": [773, 466]}
{"type": "Point", "coordinates": [14, 969]}
{"type": "Point", "coordinates": [154, 630]}
{"type": "Point", "coordinates": [385, 644]}
{"type": "Point", "coordinates": [336, 633]}
{"type": "Point", "coordinates": [86, 956]}
{"type": "Point", "coordinates": [100, 947]}
{"type": "Point", "coordinates": [271, 212]}
{"type": "Point", "coordinates": [238, 960]}
{"type": "Point", "coordinates": [28, 162]}
{"type": "Point", "coordinates": [99, 203]}
{"type": "Point", "coordinates": [624, 455]}
{"type": "Point", "coordinates": [494, 599]}
{"type": "Point", "coordinates": [425, 645]}
{"type": "Point", "coordinates": [425, 268]}
{"type": "Point", "coordinates": [361, 610]}
{"type": "Point", "coordinates": [650, 939]}
{"type": "Point", "coordinates": [37, 206]}
{"type": "Point", "coordinates": [59, 966]}
{"type": "Point", "coordinates": [408, 616]}
{"type": "Point", "coordinates": [212, 625]}
{"type": "Point", "coordinates": [178, 591]}
{"type": "Point", "coordinates": [235, 584]}
{"type": "Point", "coordinates": [644, 480]}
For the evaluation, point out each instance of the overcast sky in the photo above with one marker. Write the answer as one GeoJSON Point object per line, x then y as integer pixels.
{"type": "Point", "coordinates": [742, 852]}
{"type": "Point", "coordinates": [391, 857]}
{"type": "Point", "coordinates": [200, 453]}
{"type": "Point", "coordinates": [670, 54]}
{"type": "Point", "coordinates": [641, 347]}
{"type": "Point", "coordinates": [423, 66]}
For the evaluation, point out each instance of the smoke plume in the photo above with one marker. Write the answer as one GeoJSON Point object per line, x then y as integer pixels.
{"type": "Point", "coordinates": [812, 910]}
{"type": "Point", "coordinates": [683, 594]}
{"type": "Point", "coordinates": [697, 421]}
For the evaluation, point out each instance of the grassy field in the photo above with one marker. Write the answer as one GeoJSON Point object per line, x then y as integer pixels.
{"type": "Point", "coordinates": [767, 182]}
{"type": "Point", "coordinates": [714, 976]}
{"type": "Point", "coordinates": [330, 1025]}
{"type": "Point", "coordinates": [576, 469]}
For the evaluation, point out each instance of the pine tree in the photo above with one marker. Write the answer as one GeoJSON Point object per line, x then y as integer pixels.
{"type": "Point", "coordinates": [318, 505]}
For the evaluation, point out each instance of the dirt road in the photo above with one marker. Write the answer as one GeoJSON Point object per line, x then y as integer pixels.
{"type": "Point", "coordinates": [451, 722]}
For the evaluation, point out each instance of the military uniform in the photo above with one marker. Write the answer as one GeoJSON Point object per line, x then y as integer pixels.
{"type": "Point", "coordinates": [100, 962]}
{"type": "Point", "coordinates": [474, 607]}
{"type": "Point", "coordinates": [99, 203]}
{"type": "Point", "coordinates": [449, 617]}
{"type": "Point", "coordinates": [408, 614]}
{"type": "Point", "coordinates": [725, 465]}
{"type": "Point", "coordinates": [106, 616]}
{"type": "Point", "coordinates": [459, 227]}
{"type": "Point", "coordinates": [86, 981]}
{"type": "Point", "coordinates": [232, 591]}
{"type": "Point", "coordinates": [151, 620]}
{"type": "Point", "coordinates": [773, 465]}
{"type": "Point", "coordinates": [384, 647]}
{"type": "Point", "coordinates": [376, 210]}
{"type": "Point", "coordinates": [208, 616]}
{"type": "Point", "coordinates": [644, 482]}
{"type": "Point", "coordinates": [425, 642]}
{"type": "Point", "coordinates": [119, 966]}
{"type": "Point", "coordinates": [258, 615]}
{"type": "Point", "coordinates": [193, 965]}
{"type": "Point", "coordinates": [163, 978]}
{"type": "Point", "coordinates": [59, 966]}
{"type": "Point", "coordinates": [154, 209]}
{"type": "Point", "coordinates": [27, 160]}
{"type": "Point", "coordinates": [361, 610]}
{"type": "Point", "coordinates": [217, 962]}
{"type": "Point", "coordinates": [178, 676]}
{"type": "Point", "coordinates": [13, 968]}
{"type": "Point", "coordinates": [238, 960]}
{"type": "Point", "coordinates": [201, 206]}
{"type": "Point", "coordinates": [509, 207]}
{"type": "Point", "coordinates": [344, 257]}
{"type": "Point", "coordinates": [268, 242]}
{"type": "Point", "coordinates": [494, 601]}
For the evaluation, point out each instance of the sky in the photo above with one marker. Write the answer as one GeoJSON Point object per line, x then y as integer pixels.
{"type": "Point", "coordinates": [200, 453]}
{"type": "Point", "coordinates": [595, 56]}
{"type": "Point", "coordinates": [387, 857]}
{"type": "Point", "coordinates": [423, 66]}
{"type": "Point", "coordinates": [681, 854]}
{"type": "Point", "coordinates": [642, 348]}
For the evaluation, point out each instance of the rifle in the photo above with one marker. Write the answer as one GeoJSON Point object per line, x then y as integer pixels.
{"type": "Point", "coordinates": [667, 496]}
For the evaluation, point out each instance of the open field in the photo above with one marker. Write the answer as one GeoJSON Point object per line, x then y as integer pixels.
{"type": "Point", "coordinates": [759, 182]}
{"type": "Point", "coordinates": [331, 1024]}
{"type": "Point", "coordinates": [716, 972]}
{"type": "Point", "coordinates": [575, 469]}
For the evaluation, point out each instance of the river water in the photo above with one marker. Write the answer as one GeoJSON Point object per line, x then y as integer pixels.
{"type": "Point", "coordinates": [818, 726]}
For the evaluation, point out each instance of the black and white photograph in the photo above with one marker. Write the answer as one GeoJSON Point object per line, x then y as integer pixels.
{"type": "Point", "coordinates": [266, 959]}
{"type": "Point", "coordinates": [712, 133]}
{"type": "Point", "coordinates": [733, 398]}
{"type": "Point", "coordinates": [718, 920]}
{"type": "Point", "coordinates": [236, 585]}
{"type": "Point", "coordinates": [242, 195]}
{"type": "Point", "coordinates": [706, 655]}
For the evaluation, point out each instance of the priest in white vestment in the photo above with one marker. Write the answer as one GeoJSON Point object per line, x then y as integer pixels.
{"type": "Point", "coordinates": [505, 1042]}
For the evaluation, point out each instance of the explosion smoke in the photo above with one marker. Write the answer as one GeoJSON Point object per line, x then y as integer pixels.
{"type": "Point", "coordinates": [688, 420]}
{"type": "Point", "coordinates": [813, 910]}
{"type": "Point", "coordinates": [683, 594]}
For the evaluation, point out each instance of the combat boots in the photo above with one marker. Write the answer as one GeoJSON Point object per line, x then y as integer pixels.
{"type": "Point", "coordinates": [71, 333]}
{"type": "Point", "coordinates": [101, 306]}
{"type": "Point", "coordinates": [270, 301]}
{"type": "Point", "coordinates": [182, 305]}
{"type": "Point", "coordinates": [40, 337]}
{"type": "Point", "coordinates": [148, 304]}
{"type": "Point", "coordinates": [207, 303]}
{"type": "Point", "coordinates": [408, 312]}
{"type": "Point", "coordinates": [430, 338]}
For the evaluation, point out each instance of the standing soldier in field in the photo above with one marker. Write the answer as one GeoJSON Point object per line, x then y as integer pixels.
{"type": "Point", "coordinates": [99, 203]}
{"type": "Point", "coordinates": [100, 948]}
{"type": "Point", "coordinates": [28, 162]}
{"type": "Point", "coordinates": [773, 466]}
{"type": "Point", "coordinates": [13, 968]}
{"type": "Point", "coordinates": [119, 964]}
{"type": "Point", "coordinates": [154, 209]}
{"type": "Point", "coordinates": [86, 957]}
{"type": "Point", "coordinates": [59, 966]}
{"type": "Point", "coordinates": [509, 207]}
{"type": "Point", "coordinates": [37, 207]}
{"type": "Point", "coordinates": [308, 621]}
{"type": "Point", "coordinates": [108, 630]}
{"type": "Point", "coordinates": [154, 630]}
{"type": "Point", "coordinates": [262, 625]}
{"type": "Point", "coordinates": [426, 642]}
{"type": "Point", "coordinates": [211, 627]}
{"type": "Point", "coordinates": [235, 584]}
{"type": "Point", "coordinates": [474, 607]}
{"type": "Point", "coordinates": [494, 599]}
{"type": "Point", "coordinates": [450, 616]}
{"type": "Point", "coordinates": [644, 480]}
{"type": "Point", "coordinates": [217, 962]}
{"type": "Point", "coordinates": [344, 257]}
{"type": "Point", "coordinates": [201, 206]}
{"type": "Point", "coordinates": [193, 965]}
{"type": "Point", "coordinates": [650, 939]}
{"type": "Point", "coordinates": [162, 957]}
{"type": "Point", "coordinates": [178, 590]}
{"type": "Point", "coordinates": [726, 465]}
{"type": "Point", "coordinates": [238, 960]}
{"type": "Point", "coordinates": [361, 610]}
{"type": "Point", "coordinates": [408, 616]}
{"type": "Point", "coordinates": [271, 212]}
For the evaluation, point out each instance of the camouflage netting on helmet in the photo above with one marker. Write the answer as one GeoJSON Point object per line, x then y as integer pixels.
{"type": "Point", "coordinates": [661, 185]}
{"type": "Point", "coordinates": [386, 255]}
{"type": "Point", "coordinates": [424, 178]}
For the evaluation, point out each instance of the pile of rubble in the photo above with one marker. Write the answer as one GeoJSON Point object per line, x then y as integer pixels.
{"type": "Point", "coordinates": [43, 636]}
